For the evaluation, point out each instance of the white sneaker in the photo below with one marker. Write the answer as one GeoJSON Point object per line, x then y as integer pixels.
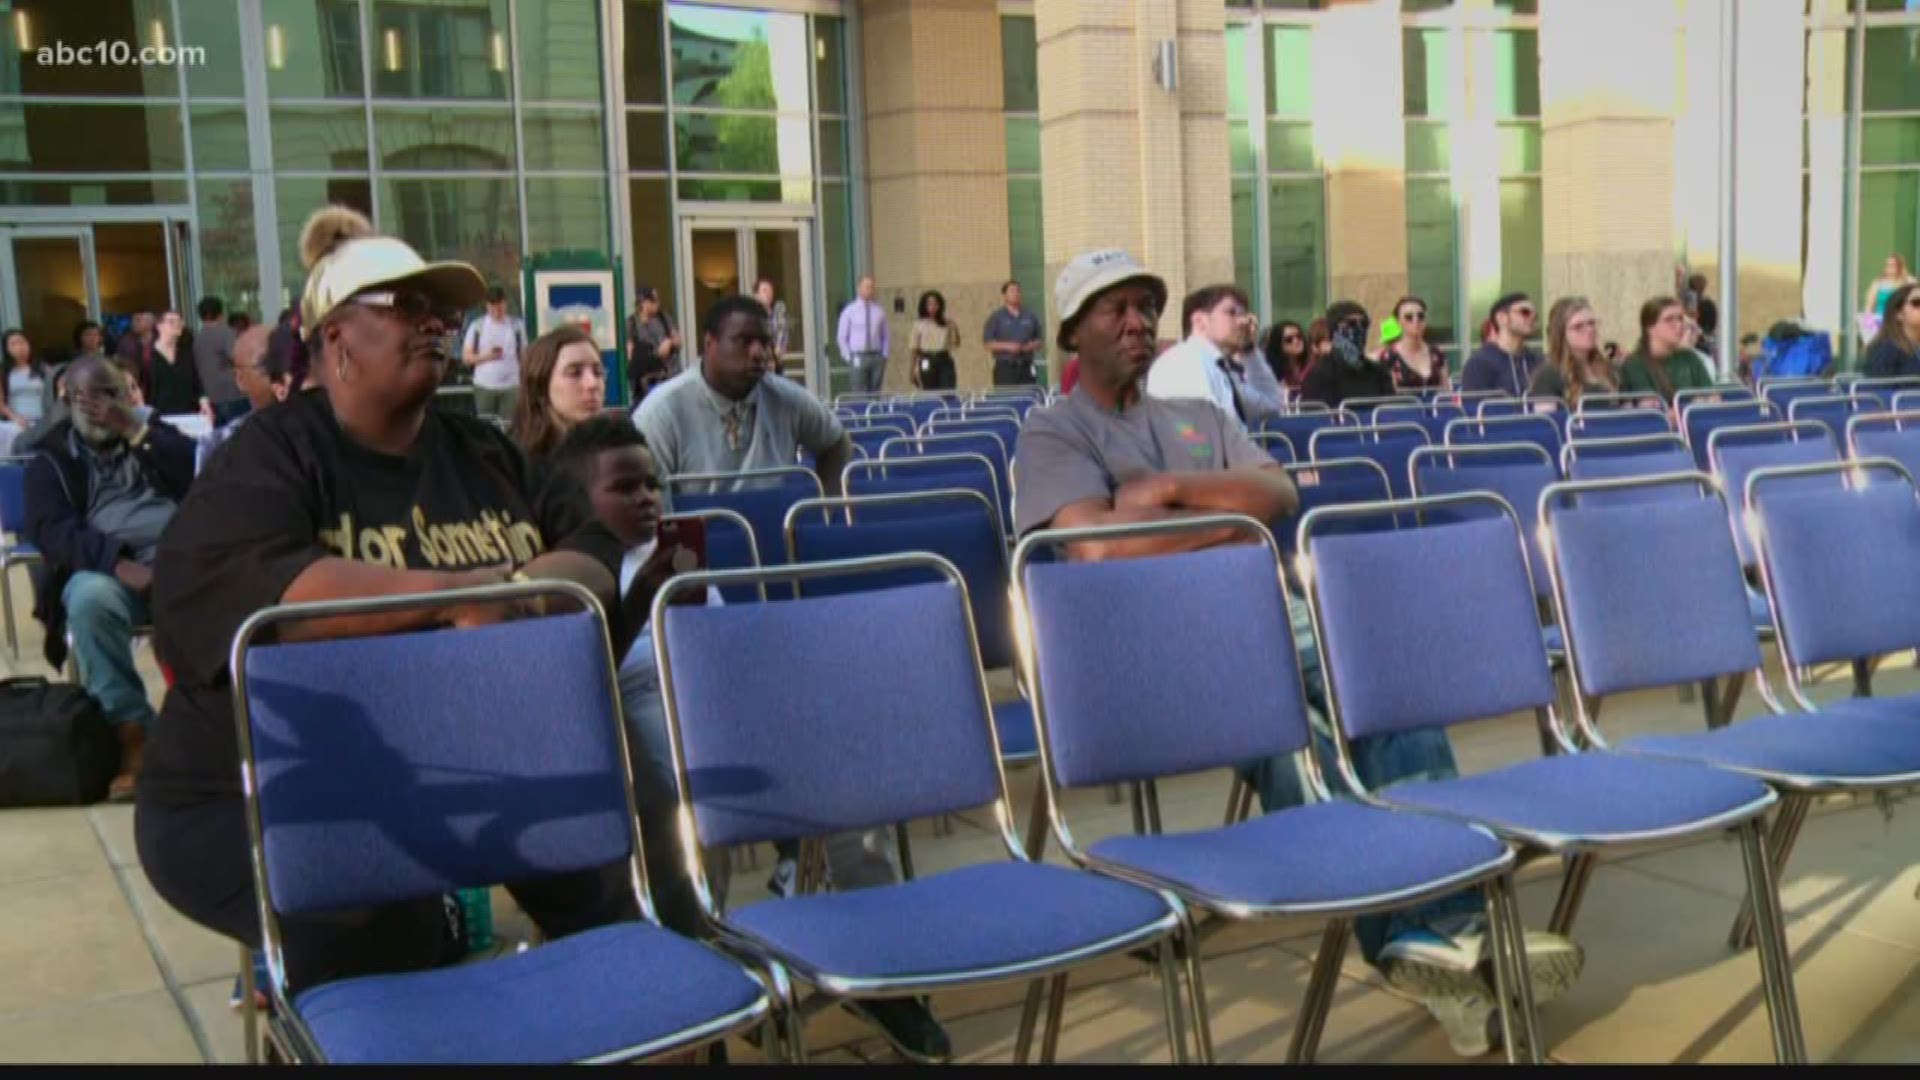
{"type": "Point", "coordinates": [1468, 1021]}
{"type": "Point", "coordinates": [1553, 962]}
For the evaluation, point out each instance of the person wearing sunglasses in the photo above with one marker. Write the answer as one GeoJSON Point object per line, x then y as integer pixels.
{"type": "Point", "coordinates": [354, 490]}
{"type": "Point", "coordinates": [1895, 351]}
{"type": "Point", "coordinates": [1504, 362]}
{"type": "Point", "coordinates": [1346, 371]}
{"type": "Point", "coordinates": [1414, 363]}
{"type": "Point", "coordinates": [1286, 349]}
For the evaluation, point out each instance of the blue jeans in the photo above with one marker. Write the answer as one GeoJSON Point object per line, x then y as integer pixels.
{"type": "Point", "coordinates": [101, 615]}
{"type": "Point", "coordinates": [1380, 761]}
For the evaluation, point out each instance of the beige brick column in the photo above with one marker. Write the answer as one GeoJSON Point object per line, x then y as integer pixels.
{"type": "Point", "coordinates": [1608, 155]}
{"type": "Point", "coordinates": [1125, 163]}
{"type": "Point", "coordinates": [936, 166]}
{"type": "Point", "coordinates": [1358, 124]}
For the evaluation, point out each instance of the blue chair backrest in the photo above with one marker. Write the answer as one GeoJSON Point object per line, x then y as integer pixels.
{"type": "Point", "coordinates": [898, 419]}
{"type": "Point", "coordinates": [1643, 399]}
{"type": "Point", "coordinates": [1277, 446]}
{"type": "Point", "coordinates": [1007, 431]}
{"type": "Point", "coordinates": [959, 526]}
{"type": "Point", "coordinates": [1617, 424]}
{"type": "Point", "coordinates": [1541, 431]}
{"type": "Point", "coordinates": [1699, 422]}
{"type": "Point", "coordinates": [1331, 483]}
{"type": "Point", "coordinates": [1620, 459]}
{"type": "Point", "coordinates": [1518, 473]}
{"type": "Point", "coordinates": [1891, 435]}
{"type": "Point", "coordinates": [871, 439]}
{"type": "Point", "coordinates": [824, 738]}
{"type": "Point", "coordinates": [1123, 699]}
{"type": "Point", "coordinates": [1841, 565]}
{"type": "Point", "coordinates": [922, 409]}
{"type": "Point", "coordinates": [1782, 395]}
{"type": "Point", "coordinates": [731, 545]}
{"type": "Point", "coordinates": [1389, 446]}
{"type": "Point", "coordinates": [917, 475]}
{"type": "Point", "coordinates": [1477, 621]}
{"type": "Point", "coordinates": [1362, 408]}
{"type": "Point", "coordinates": [1433, 418]}
{"type": "Point", "coordinates": [1906, 401]}
{"type": "Point", "coordinates": [404, 766]}
{"type": "Point", "coordinates": [764, 505]}
{"type": "Point", "coordinates": [1738, 452]}
{"type": "Point", "coordinates": [1833, 411]}
{"type": "Point", "coordinates": [13, 494]}
{"type": "Point", "coordinates": [1299, 427]}
{"type": "Point", "coordinates": [1885, 391]}
{"type": "Point", "coordinates": [1552, 408]}
{"type": "Point", "coordinates": [985, 444]}
{"type": "Point", "coordinates": [1651, 590]}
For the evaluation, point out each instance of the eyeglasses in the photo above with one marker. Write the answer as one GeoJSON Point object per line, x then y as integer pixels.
{"type": "Point", "coordinates": [410, 304]}
{"type": "Point", "coordinates": [1413, 316]}
{"type": "Point", "coordinates": [1583, 324]}
{"type": "Point", "coordinates": [1289, 339]}
{"type": "Point", "coordinates": [1913, 301]}
{"type": "Point", "coordinates": [1524, 312]}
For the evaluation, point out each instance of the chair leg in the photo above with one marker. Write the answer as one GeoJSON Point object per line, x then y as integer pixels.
{"type": "Point", "coordinates": [906, 851]}
{"type": "Point", "coordinates": [1036, 838]}
{"type": "Point", "coordinates": [1862, 674]}
{"type": "Point", "coordinates": [1056, 1010]}
{"type": "Point", "coordinates": [1234, 791]}
{"type": "Point", "coordinates": [1170, 995]}
{"type": "Point", "coordinates": [1151, 795]}
{"type": "Point", "coordinates": [1729, 701]}
{"type": "Point", "coordinates": [1781, 839]}
{"type": "Point", "coordinates": [1544, 725]}
{"type": "Point", "coordinates": [1710, 700]}
{"type": "Point", "coordinates": [1519, 1022]}
{"type": "Point", "coordinates": [1197, 989]}
{"type": "Point", "coordinates": [1321, 985]}
{"type": "Point", "coordinates": [1139, 800]}
{"type": "Point", "coordinates": [249, 1015]}
{"type": "Point", "coordinates": [1114, 795]}
{"type": "Point", "coordinates": [1573, 892]}
{"type": "Point", "coordinates": [1776, 963]}
{"type": "Point", "coordinates": [1029, 1015]}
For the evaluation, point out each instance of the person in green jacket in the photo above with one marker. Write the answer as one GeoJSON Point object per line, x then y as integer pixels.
{"type": "Point", "coordinates": [1662, 362]}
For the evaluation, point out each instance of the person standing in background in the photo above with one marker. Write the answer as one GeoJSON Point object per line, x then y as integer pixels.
{"type": "Point", "coordinates": [777, 324]}
{"type": "Point", "coordinates": [653, 345]}
{"type": "Point", "coordinates": [26, 384]}
{"type": "Point", "coordinates": [134, 351]}
{"type": "Point", "coordinates": [865, 340]}
{"type": "Point", "coordinates": [1014, 336]}
{"type": "Point", "coordinates": [213, 360]}
{"type": "Point", "coordinates": [89, 341]}
{"type": "Point", "coordinates": [492, 349]}
{"type": "Point", "coordinates": [932, 344]}
{"type": "Point", "coordinates": [174, 379]}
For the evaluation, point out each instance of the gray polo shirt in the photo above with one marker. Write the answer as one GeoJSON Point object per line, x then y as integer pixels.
{"type": "Point", "coordinates": [213, 359]}
{"type": "Point", "coordinates": [1004, 325]}
{"type": "Point", "coordinates": [692, 429]}
{"type": "Point", "coordinates": [1075, 450]}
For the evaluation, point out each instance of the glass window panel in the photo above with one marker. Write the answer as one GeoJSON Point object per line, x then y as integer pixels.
{"type": "Point", "coordinates": [1429, 147]}
{"type": "Point", "coordinates": [320, 137]}
{"type": "Point", "coordinates": [1240, 147]}
{"type": "Point", "coordinates": [560, 50]}
{"type": "Point", "coordinates": [1890, 141]}
{"type": "Point", "coordinates": [313, 48]}
{"type": "Point", "coordinates": [735, 143]}
{"type": "Point", "coordinates": [645, 54]}
{"type": "Point", "coordinates": [1519, 148]}
{"type": "Point", "coordinates": [1246, 255]}
{"type": "Point", "coordinates": [130, 264]}
{"type": "Point", "coordinates": [563, 139]}
{"type": "Point", "coordinates": [1522, 241]}
{"type": "Point", "coordinates": [836, 246]}
{"type": "Point", "coordinates": [473, 220]}
{"type": "Point", "coordinates": [647, 141]}
{"type": "Point", "coordinates": [92, 192]}
{"type": "Point", "coordinates": [652, 241]}
{"type": "Point", "coordinates": [1238, 81]}
{"type": "Point", "coordinates": [1429, 73]}
{"type": "Point", "coordinates": [1516, 74]}
{"type": "Point", "coordinates": [1416, 6]}
{"type": "Point", "coordinates": [728, 59]}
{"type": "Point", "coordinates": [1289, 71]}
{"type": "Point", "coordinates": [1290, 146]}
{"type": "Point", "coordinates": [1019, 64]}
{"type": "Point", "coordinates": [225, 244]}
{"type": "Point", "coordinates": [1432, 258]}
{"type": "Point", "coordinates": [1295, 5]}
{"type": "Point", "coordinates": [1889, 220]}
{"type": "Point", "coordinates": [719, 189]}
{"type": "Point", "coordinates": [219, 136]}
{"type": "Point", "coordinates": [1023, 144]}
{"type": "Point", "coordinates": [421, 138]}
{"type": "Point", "coordinates": [139, 24]}
{"type": "Point", "coordinates": [1296, 235]}
{"type": "Point", "coordinates": [92, 138]}
{"type": "Point", "coordinates": [1026, 234]}
{"type": "Point", "coordinates": [1893, 72]}
{"type": "Point", "coordinates": [833, 147]}
{"type": "Point", "coordinates": [294, 201]}
{"type": "Point", "coordinates": [564, 213]}
{"type": "Point", "coordinates": [213, 25]}
{"type": "Point", "coordinates": [449, 49]}
{"type": "Point", "coordinates": [830, 62]}
{"type": "Point", "coordinates": [1518, 7]}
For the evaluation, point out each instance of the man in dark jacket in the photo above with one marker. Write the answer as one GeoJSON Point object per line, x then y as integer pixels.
{"type": "Point", "coordinates": [99, 492]}
{"type": "Point", "coordinates": [1347, 372]}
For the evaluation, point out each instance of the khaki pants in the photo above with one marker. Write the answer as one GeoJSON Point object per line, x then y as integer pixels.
{"type": "Point", "coordinates": [498, 403]}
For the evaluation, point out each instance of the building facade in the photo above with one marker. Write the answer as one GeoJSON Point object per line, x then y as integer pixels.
{"type": "Point", "coordinates": [1307, 149]}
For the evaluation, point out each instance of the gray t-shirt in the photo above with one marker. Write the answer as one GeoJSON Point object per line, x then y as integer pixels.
{"type": "Point", "coordinates": [1075, 450]}
{"type": "Point", "coordinates": [213, 359]}
{"type": "Point", "coordinates": [692, 429]}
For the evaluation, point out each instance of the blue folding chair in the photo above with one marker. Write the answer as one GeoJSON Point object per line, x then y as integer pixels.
{"type": "Point", "coordinates": [399, 768]}
{"type": "Point", "coordinates": [1834, 411]}
{"type": "Point", "coordinates": [984, 443]}
{"type": "Point", "coordinates": [731, 545]}
{"type": "Point", "coordinates": [761, 496]}
{"type": "Point", "coordinates": [1482, 656]}
{"type": "Point", "coordinates": [1632, 399]}
{"type": "Point", "coordinates": [1006, 429]}
{"type": "Point", "coordinates": [900, 731]}
{"type": "Point", "coordinates": [14, 550]}
{"type": "Point", "coordinates": [1638, 455]}
{"type": "Point", "coordinates": [1623, 423]}
{"type": "Point", "coordinates": [1515, 472]}
{"type": "Point", "coordinates": [869, 439]}
{"type": "Point", "coordinates": [1699, 421]}
{"type": "Point", "coordinates": [1887, 435]}
{"type": "Point", "coordinates": [1299, 426]}
{"type": "Point", "coordinates": [1542, 431]}
{"type": "Point", "coordinates": [1735, 452]}
{"type": "Point", "coordinates": [1723, 394]}
{"type": "Point", "coordinates": [1468, 400]}
{"type": "Point", "coordinates": [1277, 446]}
{"type": "Point", "coordinates": [1885, 391]}
{"type": "Point", "coordinates": [1388, 445]}
{"type": "Point", "coordinates": [1361, 408]}
{"type": "Point", "coordinates": [1782, 393]}
{"type": "Point", "coordinates": [1551, 408]}
{"type": "Point", "coordinates": [899, 420]}
{"type": "Point", "coordinates": [1433, 418]}
{"type": "Point", "coordinates": [1330, 483]}
{"type": "Point", "coordinates": [1104, 701]}
{"type": "Point", "coordinates": [915, 475]}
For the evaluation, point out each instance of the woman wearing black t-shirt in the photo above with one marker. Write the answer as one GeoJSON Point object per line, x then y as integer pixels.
{"type": "Point", "coordinates": [353, 490]}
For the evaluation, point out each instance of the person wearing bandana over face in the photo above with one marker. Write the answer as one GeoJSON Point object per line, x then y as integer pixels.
{"type": "Point", "coordinates": [1347, 372]}
{"type": "Point", "coordinates": [1505, 363]}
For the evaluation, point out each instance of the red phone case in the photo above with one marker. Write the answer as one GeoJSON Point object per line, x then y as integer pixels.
{"type": "Point", "coordinates": [686, 537]}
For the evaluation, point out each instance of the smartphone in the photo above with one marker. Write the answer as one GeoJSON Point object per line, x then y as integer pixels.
{"type": "Point", "coordinates": [686, 538]}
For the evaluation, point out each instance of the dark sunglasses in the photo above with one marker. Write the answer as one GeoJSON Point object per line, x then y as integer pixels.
{"type": "Point", "coordinates": [1913, 301]}
{"type": "Point", "coordinates": [1289, 339]}
{"type": "Point", "coordinates": [1414, 316]}
{"type": "Point", "coordinates": [410, 304]}
{"type": "Point", "coordinates": [1524, 312]}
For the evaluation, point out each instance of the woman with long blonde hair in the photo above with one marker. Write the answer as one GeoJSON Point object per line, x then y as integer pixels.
{"type": "Point", "coordinates": [1575, 364]}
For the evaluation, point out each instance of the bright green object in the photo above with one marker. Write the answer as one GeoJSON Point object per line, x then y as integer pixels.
{"type": "Point", "coordinates": [476, 917]}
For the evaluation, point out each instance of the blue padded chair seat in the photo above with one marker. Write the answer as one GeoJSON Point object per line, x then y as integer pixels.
{"type": "Point", "coordinates": [1843, 744]}
{"type": "Point", "coordinates": [1605, 797]}
{"type": "Point", "coordinates": [1013, 721]}
{"type": "Point", "coordinates": [631, 984]}
{"type": "Point", "coordinates": [974, 919]}
{"type": "Point", "coordinates": [20, 549]}
{"type": "Point", "coordinates": [1326, 854]}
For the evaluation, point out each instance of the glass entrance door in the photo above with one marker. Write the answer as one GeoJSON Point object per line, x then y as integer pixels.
{"type": "Point", "coordinates": [55, 286]}
{"type": "Point", "coordinates": [728, 257]}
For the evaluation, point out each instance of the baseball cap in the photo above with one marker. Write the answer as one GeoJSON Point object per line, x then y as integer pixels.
{"type": "Point", "coordinates": [344, 257]}
{"type": "Point", "coordinates": [1091, 274]}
